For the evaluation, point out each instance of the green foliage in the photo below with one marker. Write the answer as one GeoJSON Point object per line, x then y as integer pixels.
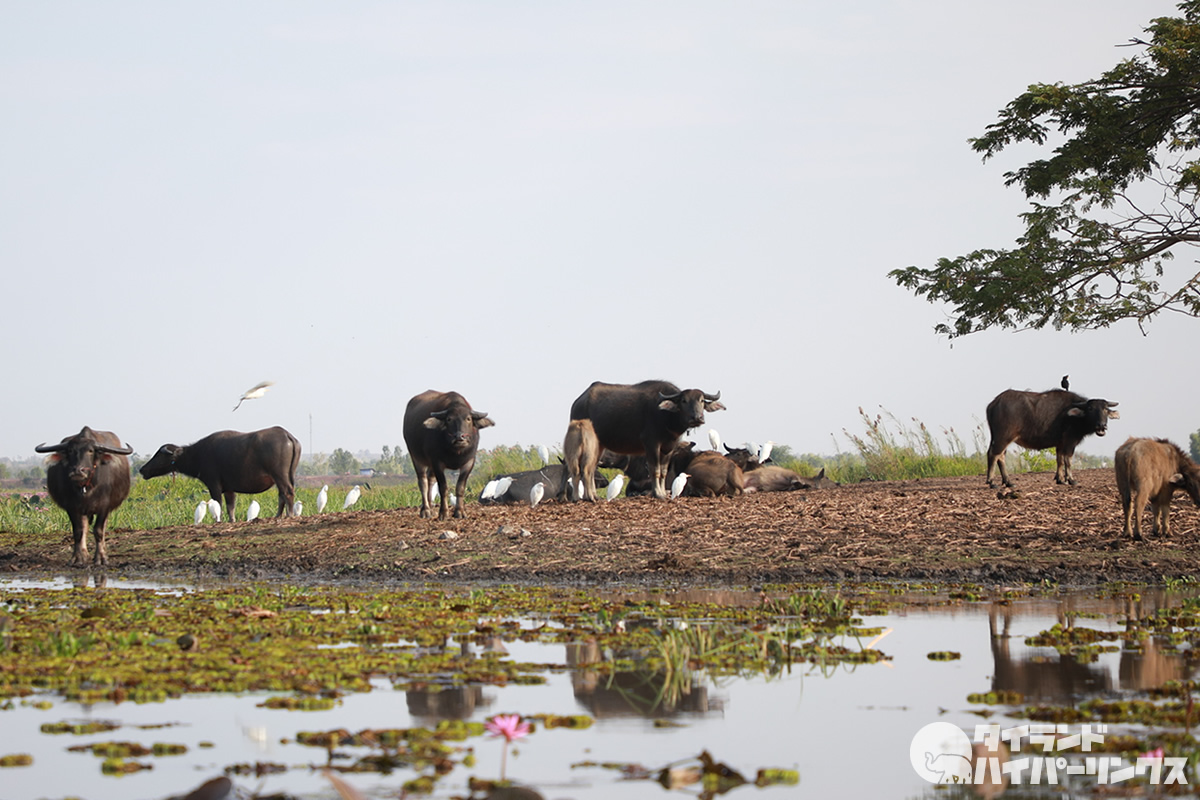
{"type": "Point", "coordinates": [906, 453]}
{"type": "Point", "coordinates": [1106, 208]}
{"type": "Point", "coordinates": [1194, 445]}
{"type": "Point", "coordinates": [504, 459]}
{"type": "Point", "coordinates": [342, 462]}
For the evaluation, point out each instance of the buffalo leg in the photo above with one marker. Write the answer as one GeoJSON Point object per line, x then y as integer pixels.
{"type": "Point", "coordinates": [440, 476]}
{"type": "Point", "coordinates": [99, 531]}
{"type": "Point", "coordinates": [1062, 471]}
{"type": "Point", "coordinates": [1127, 508]}
{"type": "Point", "coordinates": [460, 489]}
{"type": "Point", "coordinates": [231, 505]}
{"type": "Point", "coordinates": [423, 488]}
{"type": "Point", "coordinates": [79, 531]}
{"type": "Point", "coordinates": [996, 455]}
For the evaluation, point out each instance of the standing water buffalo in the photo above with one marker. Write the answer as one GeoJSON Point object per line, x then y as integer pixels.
{"type": "Point", "coordinates": [1150, 470]}
{"type": "Point", "coordinates": [442, 432]}
{"type": "Point", "coordinates": [228, 462]}
{"type": "Point", "coordinates": [88, 477]}
{"type": "Point", "coordinates": [647, 417]}
{"type": "Point", "coordinates": [582, 450]}
{"type": "Point", "coordinates": [1037, 420]}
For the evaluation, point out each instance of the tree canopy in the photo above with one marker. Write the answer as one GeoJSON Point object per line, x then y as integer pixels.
{"type": "Point", "coordinates": [1107, 210]}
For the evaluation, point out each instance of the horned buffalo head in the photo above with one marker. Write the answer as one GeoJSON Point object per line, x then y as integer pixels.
{"type": "Point", "coordinates": [460, 425]}
{"type": "Point", "coordinates": [82, 454]}
{"type": "Point", "coordinates": [1095, 414]}
{"type": "Point", "coordinates": [1188, 479]}
{"type": "Point", "coordinates": [689, 406]}
{"type": "Point", "coordinates": [162, 462]}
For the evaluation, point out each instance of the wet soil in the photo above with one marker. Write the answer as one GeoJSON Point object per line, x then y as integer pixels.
{"type": "Point", "coordinates": [941, 529]}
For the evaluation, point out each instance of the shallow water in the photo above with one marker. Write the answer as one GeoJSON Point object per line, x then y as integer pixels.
{"type": "Point", "coordinates": [846, 729]}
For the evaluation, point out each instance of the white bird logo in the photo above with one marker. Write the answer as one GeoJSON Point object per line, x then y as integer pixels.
{"type": "Point", "coordinates": [214, 508]}
{"type": "Point", "coordinates": [614, 488]}
{"type": "Point", "coordinates": [322, 498]}
{"type": "Point", "coordinates": [677, 485]}
{"type": "Point", "coordinates": [535, 494]}
{"type": "Point", "coordinates": [252, 511]}
{"type": "Point", "coordinates": [257, 391]}
{"type": "Point", "coordinates": [352, 497]}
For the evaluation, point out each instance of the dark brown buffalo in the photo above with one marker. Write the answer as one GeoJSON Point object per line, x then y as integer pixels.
{"type": "Point", "coordinates": [1037, 420]}
{"type": "Point", "coordinates": [637, 468]}
{"type": "Point", "coordinates": [1149, 471]}
{"type": "Point", "coordinates": [554, 477]}
{"type": "Point", "coordinates": [442, 432]}
{"type": "Point", "coordinates": [711, 474]}
{"type": "Point", "coordinates": [229, 462]}
{"type": "Point", "coordinates": [88, 477]}
{"type": "Point", "coordinates": [647, 418]}
{"type": "Point", "coordinates": [742, 457]}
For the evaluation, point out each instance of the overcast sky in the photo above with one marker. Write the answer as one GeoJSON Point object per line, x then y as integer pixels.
{"type": "Point", "coordinates": [361, 201]}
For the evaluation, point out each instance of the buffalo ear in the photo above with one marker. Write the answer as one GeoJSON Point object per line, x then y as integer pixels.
{"type": "Point", "coordinates": [1176, 479]}
{"type": "Point", "coordinates": [433, 423]}
{"type": "Point", "coordinates": [484, 422]}
{"type": "Point", "coordinates": [1075, 411]}
{"type": "Point", "coordinates": [714, 406]}
{"type": "Point", "coordinates": [1113, 414]}
{"type": "Point", "coordinates": [667, 405]}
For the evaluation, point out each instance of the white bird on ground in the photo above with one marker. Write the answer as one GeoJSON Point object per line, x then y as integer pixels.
{"type": "Point", "coordinates": [322, 498]}
{"type": "Point", "coordinates": [582, 487]}
{"type": "Point", "coordinates": [764, 452]}
{"type": "Point", "coordinates": [352, 497]}
{"type": "Point", "coordinates": [434, 493]}
{"type": "Point", "coordinates": [489, 490]}
{"type": "Point", "coordinates": [614, 487]}
{"type": "Point", "coordinates": [214, 509]}
{"type": "Point", "coordinates": [201, 513]}
{"type": "Point", "coordinates": [678, 484]}
{"type": "Point", "coordinates": [544, 453]}
{"type": "Point", "coordinates": [535, 494]}
{"type": "Point", "coordinates": [714, 439]}
{"type": "Point", "coordinates": [502, 485]}
{"type": "Point", "coordinates": [257, 391]}
{"type": "Point", "coordinates": [297, 508]}
{"type": "Point", "coordinates": [452, 500]}
{"type": "Point", "coordinates": [252, 511]}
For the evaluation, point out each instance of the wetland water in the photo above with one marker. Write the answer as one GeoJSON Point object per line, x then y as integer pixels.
{"type": "Point", "coordinates": [843, 722]}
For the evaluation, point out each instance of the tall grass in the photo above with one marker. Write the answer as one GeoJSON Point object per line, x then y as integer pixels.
{"type": "Point", "coordinates": [890, 450]}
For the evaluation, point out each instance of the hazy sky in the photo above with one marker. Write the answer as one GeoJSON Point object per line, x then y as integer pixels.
{"type": "Point", "coordinates": [361, 201]}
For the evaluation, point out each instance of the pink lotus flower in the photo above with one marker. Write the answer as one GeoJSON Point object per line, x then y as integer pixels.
{"type": "Point", "coordinates": [509, 726]}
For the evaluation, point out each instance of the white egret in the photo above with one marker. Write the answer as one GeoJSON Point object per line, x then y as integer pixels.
{"type": "Point", "coordinates": [297, 509]}
{"type": "Point", "coordinates": [252, 511]}
{"type": "Point", "coordinates": [502, 485]}
{"type": "Point", "coordinates": [677, 485]}
{"type": "Point", "coordinates": [257, 391]}
{"type": "Point", "coordinates": [434, 492]}
{"type": "Point", "coordinates": [582, 486]}
{"type": "Point", "coordinates": [352, 497]}
{"type": "Point", "coordinates": [614, 487]}
{"type": "Point", "coordinates": [764, 452]}
{"type": "Point", "coordinates": [714, 438]}
{"type": "Point", "coordinates": [452, 499]}
{"type": "Point", "coordinates": [753, 448]}
{"type": "Point", "coordinates": [214, 509]}
{"type": "Point", "coordinates": [201, 513]}
{"type": "Point", "coordinates": [322, 498]}
{"type": "Point", "coordinates": [544, 453]}
{"type": "Point", "coordinates": [489, 490]}
{"type": "Point", "coordinates": [535, 494]}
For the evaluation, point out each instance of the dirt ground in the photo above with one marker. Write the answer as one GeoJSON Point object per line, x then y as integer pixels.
{"type": "Point", "coordinates": [936, 530]}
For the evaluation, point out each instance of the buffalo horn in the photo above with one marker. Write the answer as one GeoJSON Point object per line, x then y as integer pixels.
{"type": "Point", "coordinates": [670, 396]}
{"type": "Point", "coordinates": [1112, 405]}
{"type": "Point", "coordinates": [712, 398]}
{"type": "Point", "coordinates": [478, 415]}
{"type": "Point", "coordinates": [439, 414]}
{"type": "Point", "coordinates": [50, 448]}
{"type": "Point", "coordinates": [116, 451]}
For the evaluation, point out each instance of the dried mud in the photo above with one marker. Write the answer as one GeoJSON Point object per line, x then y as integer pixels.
{"type": "Point", "coordinates": [935, 530]}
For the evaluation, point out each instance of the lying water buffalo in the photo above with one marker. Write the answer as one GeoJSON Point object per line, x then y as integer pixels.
{"type": "Point", "coordinates": [711, 474]}
{"type": "Point", "coordinates": [554, 477]}
{"type": "Point", "coordinates": [229, 462]}
{"type": "Point", "coordinates": [1150, 470]}
{"type": "Point", "coordinates": [442, 432]}
{"type": "Point", "coordinates": [1037, 420]}
{"type": "Point", "coordinates": [648, 418]}
{"type": "Point", "coordinates": [88, 477]}
{"type": "Point", "coordinates": [777, 479]}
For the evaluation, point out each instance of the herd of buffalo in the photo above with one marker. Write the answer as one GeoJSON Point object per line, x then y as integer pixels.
{"type": "Point", "coordinates": [637, 428]}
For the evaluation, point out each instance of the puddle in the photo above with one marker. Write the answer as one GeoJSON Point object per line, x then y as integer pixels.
{"type": "Point", "coordinates": [844, 726]}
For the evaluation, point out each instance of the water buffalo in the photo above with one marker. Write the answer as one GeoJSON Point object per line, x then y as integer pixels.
{"type": "Point", "coordinates": [648, 417]}
{"type": "Point", "coordinates": [554, 477]}
{"type": "Point", "coordinates": [1037, 420]}
{"type": "Point", "coordinates": [228, 462]}
{"type": "Point", "coordinates": [637, 468]}
{"type": "Point", "coordinates": [582, 451]}
{"type": "Point", "coordinates": [88, 477]}
{"type": "Point", "coordinates": [442, 432]}
{"type": "Point", "coordinates": [743, 458]}
{"type": "Point", "coordinates": [1150, 470]}
{"type": "Point", "coordinates": [712, 474]}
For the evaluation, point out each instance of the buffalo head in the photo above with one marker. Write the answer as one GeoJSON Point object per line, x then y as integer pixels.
{"type": "Point", "coordinates": [460, 426]}
{"type": "Point", "coordinates": [1095, 414]}
{"type": "Point", "coordinates": [81, 454]}
{"type": "Point", "coordinates": [689, 406]}
{"type": "Point", "coordinates": [162, 462]}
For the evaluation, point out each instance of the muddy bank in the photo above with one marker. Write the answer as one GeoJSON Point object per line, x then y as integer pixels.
{"type": "Point", "coordinates": [943, 529]}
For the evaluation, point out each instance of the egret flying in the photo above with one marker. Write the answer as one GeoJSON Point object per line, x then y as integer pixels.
{"type": "Point", "coordinates": [297, 508]}
{"type": "Point", "coordinates": [322, 498]}
{"type": "Point", "coordinates": [535, 494]}
{"type": "Point", "coordinates": [677, 485]}
{"type": "Point", "coordinates": [201, 513]}
{"type": "Point", "coordinates": [252, 511]}
{"type": "Point", "coordinates": [214, 508]}
{"type": "Point", "coordinates": [352, 497]}
{"type": "Point", "coordinates": [614, 487]}
{"type": "Point", "coordinates": [714, 438]}
{"type": "Point", "coordinates": [254, 393]}
{"type": "Point", "coordinates": [544, 453]}
{"type": "Point", "coordinates": [764, 452]}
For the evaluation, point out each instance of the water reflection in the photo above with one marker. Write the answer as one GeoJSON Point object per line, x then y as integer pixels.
{"type": "Point", "coordinates": [639, 692]}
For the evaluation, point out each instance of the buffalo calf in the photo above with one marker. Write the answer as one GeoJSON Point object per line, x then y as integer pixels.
{"type": "Point", "coordinates": [712, 474]}
{"type": "Point", "coordinates": [582, 451]}
{"type": "Point", "coordinates": [1150, 470]}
